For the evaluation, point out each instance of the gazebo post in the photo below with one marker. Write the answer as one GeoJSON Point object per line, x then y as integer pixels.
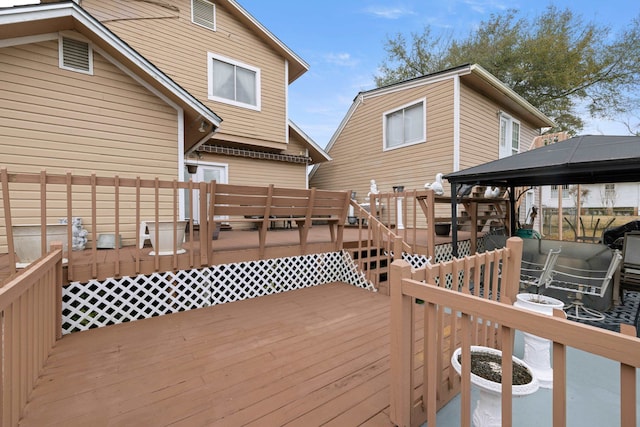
{"type": "Point", "coordinates": [454, 219]}
{"type": "Point", "coordinates": [512, 208]}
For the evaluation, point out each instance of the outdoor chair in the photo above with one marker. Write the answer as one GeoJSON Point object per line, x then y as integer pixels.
{"type": "Point", "coordinates": [584, 282]}
{"type": "Point", "coordinates": [630, 269]}
{"type": "Point", "coordinates": [538, 275]}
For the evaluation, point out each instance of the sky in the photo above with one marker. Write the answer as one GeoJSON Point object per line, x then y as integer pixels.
{"type": "Point", "coordinates": [343, 43]}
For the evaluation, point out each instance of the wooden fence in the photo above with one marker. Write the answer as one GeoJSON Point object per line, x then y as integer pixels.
{"type": "Point", "coordinates": [30, 308]}
{"type": "Point", "coordinates": [460, 317]}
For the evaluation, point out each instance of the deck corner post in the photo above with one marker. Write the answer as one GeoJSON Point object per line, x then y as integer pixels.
{"type": "Point", "coordinates": [401, 345]}
{"type": "Point", "coordinates": [511, 282]}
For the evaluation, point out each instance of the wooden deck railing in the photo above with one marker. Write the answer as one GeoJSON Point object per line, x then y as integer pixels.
{"type": "Point", "coordinates": [471, 316]}
{"type": "Point", "coordinates": [121, 207]}
{"type": "Point", "coordinates": [413, 212]}
{"type": "Point", "coordinates": [30, 316]}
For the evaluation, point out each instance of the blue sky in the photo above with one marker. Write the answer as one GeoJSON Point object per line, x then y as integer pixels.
{"type": "Point", "coordinates": [343, 41]}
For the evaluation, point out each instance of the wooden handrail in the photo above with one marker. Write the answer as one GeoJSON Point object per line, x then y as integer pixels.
{"type": "Point", "coordinates": [30, 313]}
{"type": "Point", "coordinates": [406, 286]}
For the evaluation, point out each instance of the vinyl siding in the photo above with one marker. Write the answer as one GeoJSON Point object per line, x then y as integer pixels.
{"type": "Point", "coordinates": [247, 171]}
{"type": "Point", "coordinates": [358, 154]}
{"type": "Point", "coordinates": [480, 129]}
{"type": "Point", "coordinates": [179, 48]}
{"type": "Point", "coordinates": [60, 120]}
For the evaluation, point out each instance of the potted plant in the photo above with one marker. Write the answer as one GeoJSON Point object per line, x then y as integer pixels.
{"type": "Point", "coordinates": [537, 350]}
{"type": "Point", "coordinates": [486, 374]}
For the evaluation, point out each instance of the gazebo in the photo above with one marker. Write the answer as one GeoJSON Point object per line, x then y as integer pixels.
{"type": "Point", "coordinates": [588, 159]}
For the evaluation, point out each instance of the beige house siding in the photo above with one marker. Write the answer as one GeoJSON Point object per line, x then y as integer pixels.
{"type": "Point", "coordinates": [179, 48]}
{"type": "Point", "coordinates": [358, 154]}
{"type": "Point", "coordinates": [480, 129]}
{"type": "Point", "coordinates": [61, 121]}
{"type": "Point", "coordinates": [247, 171]}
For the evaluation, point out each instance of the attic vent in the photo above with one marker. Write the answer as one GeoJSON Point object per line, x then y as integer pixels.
{"type": "Point", "coordinates": [203, 13]}
{"type": "Point", "coordinates": [76, 55]}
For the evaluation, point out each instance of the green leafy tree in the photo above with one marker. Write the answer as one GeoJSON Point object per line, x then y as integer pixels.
{"type": "Point", "coordinates": [556, 61]}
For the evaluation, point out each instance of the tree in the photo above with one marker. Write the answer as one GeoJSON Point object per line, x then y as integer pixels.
{"type": "Point", "coordinates": [555, 61]}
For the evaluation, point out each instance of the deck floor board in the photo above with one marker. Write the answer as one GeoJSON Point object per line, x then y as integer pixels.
{"type": "Point", "coordinates": [313, 356]}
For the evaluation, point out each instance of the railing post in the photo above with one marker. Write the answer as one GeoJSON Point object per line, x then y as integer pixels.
{"type": "Point", "coordinates": [511, 279]}
{"type": "Point", "coordinates": [627, 386]}
{"type": "Point", "coordinates": [401, 346]}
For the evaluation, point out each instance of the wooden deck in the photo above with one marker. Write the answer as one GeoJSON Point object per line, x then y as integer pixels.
{"type": "Point", "coordinates": [316, 356]}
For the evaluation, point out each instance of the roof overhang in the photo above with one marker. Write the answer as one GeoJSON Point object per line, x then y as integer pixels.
{"type": "Point", "coordinates": [33, 20]}
{"type": "Point", "coordinates": [476, 77]}
{"type": "Point", "coordinates": [317, 154]}
{"type": "Point", "coordinates": [297, 66]}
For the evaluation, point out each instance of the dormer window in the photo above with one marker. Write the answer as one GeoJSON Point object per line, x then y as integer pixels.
{"type": "Point", "coordinates": [233, 82]}
{"type": "Point", "coordinates": [203, 13]}
{"type": "Point", "coordinates": [75, 54]}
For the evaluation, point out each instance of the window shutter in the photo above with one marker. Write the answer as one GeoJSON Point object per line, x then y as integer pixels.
{"type": "Point", "coordinates": [204, 13]}
{"type": "Point", "coordinates": [76, 55]}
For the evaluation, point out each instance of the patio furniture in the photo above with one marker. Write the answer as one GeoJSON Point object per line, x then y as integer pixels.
{"type": "Point", "coordinates": [538, 275]}
{"type": "Point", "coordinates": [144, 234]}
{"type": "Point", "coordinates": [584, 282]}
{"type": "Point", "coordinates": [630, 269]}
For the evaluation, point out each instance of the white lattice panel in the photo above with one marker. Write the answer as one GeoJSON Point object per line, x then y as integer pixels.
{"type": "Point", "coordinates": [95, 304]}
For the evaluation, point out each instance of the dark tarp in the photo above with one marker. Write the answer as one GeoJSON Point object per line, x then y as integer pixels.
{"type": "Point", "coordinates": [587, 159]}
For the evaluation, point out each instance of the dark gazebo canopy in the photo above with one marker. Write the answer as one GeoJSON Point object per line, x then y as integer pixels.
{"type": "Point", "coordinates": [589, 159]}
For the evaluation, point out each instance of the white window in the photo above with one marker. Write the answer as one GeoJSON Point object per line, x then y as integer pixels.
{"type": "Point", "coordinates": [509, 136]}
{"type": "Point", "coordinates": [233, 82]}
{"type": "Point", "coordinates": [404, 126]}
{"type": "Point", "coordinates": [565, 191]}
{"type": "Point", "coordinates": [203, 13]}
{"type": "Point", "coordinates": [609, 190]}
{"type": "Point", "coordinates": [75, 54]}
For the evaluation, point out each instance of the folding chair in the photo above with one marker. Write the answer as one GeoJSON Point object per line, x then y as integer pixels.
{"type": "Point", "coordinates": [538, 275]}
{"type": "Point", "coordinates": [584, 282]}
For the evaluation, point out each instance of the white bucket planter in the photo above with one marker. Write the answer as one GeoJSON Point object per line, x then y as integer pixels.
{"type": "Point", "coordinates": [164, 246]}
{"type": "Point", "coordinates": [27, 241]}
{"type": "Point", "coordinates": [488, 411]}
{"type": "Point", "coordinates": [537, 351]}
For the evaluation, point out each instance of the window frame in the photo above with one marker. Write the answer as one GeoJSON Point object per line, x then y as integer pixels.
{"type": "Point", "coordinates": [213, 8]}
{"type": "Point", "coordinates": [507, 136]}
{"type": "Point", "coordinates": [386, 114]}
{"type": "Point", "coordinates": [565, 191]}
{"type": "Point", "coordinates": [236, 64]}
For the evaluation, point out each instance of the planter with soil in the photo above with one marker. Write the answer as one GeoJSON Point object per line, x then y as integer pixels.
{"type": "Point", "coordinates": [486, 374]}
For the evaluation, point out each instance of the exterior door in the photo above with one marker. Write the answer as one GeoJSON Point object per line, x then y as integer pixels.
{"type": "Point", "coordinates": [204, 173]}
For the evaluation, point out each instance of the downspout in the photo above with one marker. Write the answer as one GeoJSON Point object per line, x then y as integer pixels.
{"type": "Point", "coordinates": [456, 164]}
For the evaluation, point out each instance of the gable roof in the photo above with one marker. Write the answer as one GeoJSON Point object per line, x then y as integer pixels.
{"type": "Point", "coordinates": [317, 154]}
{"type": "Point", "coordinates": [589, 159]}
{"type": "Point", "coordinates": [31, 21]}
{"type": "Point", "coordinates": [297, 66]}
{"type": "Point", "coordinates": [473, 75]}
